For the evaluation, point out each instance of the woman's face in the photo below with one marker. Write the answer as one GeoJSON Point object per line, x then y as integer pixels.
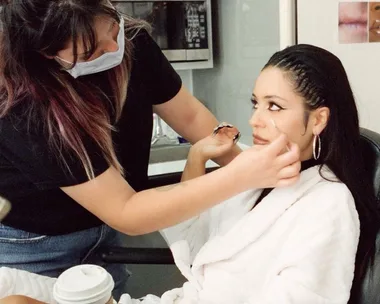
{"type": "Point", "coordinates": [106, 29]}
{"type": "Point", "coordinates": [374, 22]}
{"type": "Point", "coordinates": [277, 108]}
{"type": "Point", "coordinates": [353, 19]}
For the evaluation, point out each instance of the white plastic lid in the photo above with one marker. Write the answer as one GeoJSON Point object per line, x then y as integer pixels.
{"type": "Point", "coordinates": [84, 284]}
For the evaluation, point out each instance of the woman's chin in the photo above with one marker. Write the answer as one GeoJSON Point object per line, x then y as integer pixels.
{"type": "Point", "coordinates": [260, 144]}
{"type": "Point", "coordinates": [258, 141]}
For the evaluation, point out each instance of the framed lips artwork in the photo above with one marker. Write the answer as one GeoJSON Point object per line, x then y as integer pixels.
{"type": "Point", "coordinates": [354, 39]}
{"type": "Point", "coordinates": [359, 22]}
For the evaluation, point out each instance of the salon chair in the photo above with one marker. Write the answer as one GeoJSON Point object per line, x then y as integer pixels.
{"type": "Point", "coordinates": [366, 291]}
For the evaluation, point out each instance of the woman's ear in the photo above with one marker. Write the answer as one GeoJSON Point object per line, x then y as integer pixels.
{"type": "Point", "coordinates": [321, 118]}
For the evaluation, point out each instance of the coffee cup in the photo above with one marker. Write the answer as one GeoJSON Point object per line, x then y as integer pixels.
{"type": "Point", "coordinates": [84, 284]}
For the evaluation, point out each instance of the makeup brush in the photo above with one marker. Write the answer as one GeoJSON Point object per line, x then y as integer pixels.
{"type": "Point", "coordinates": [274, 125]}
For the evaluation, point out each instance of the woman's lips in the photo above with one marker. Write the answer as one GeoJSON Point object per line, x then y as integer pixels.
{"type": "Point", "coordinates": [375, 28]}
{"type": "Point", "coordinates": [354, 23]}
{"type": "Point", "coordinates": [347, 18]}
{"type": "Point", "coordinates": [354, 26]}
{"type": "Point", "coordinates": [257, 140]}
{"type": "Point", "coordinates": [353, 32]}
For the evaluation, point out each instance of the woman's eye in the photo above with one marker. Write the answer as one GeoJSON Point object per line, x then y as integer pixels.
{"type": "Point", "coordinates": [274, 107]}
{"type": "Point", "coordinates": [254, 104]}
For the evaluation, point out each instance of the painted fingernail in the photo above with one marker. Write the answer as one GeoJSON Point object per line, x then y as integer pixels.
{"type": "Point", "coordinates": [237, 137]}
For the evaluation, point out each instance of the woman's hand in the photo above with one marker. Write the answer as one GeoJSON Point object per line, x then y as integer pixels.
{"type": "Point", "coordinates": [215, 145]}
{"type": "Point", "coordinates": [274, 165]}
{"type": "Point", "coordinates": [218, 144]}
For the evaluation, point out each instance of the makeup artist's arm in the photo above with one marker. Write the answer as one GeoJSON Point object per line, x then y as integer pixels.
{"type": "Point", "coordinates": [213, 146]}
{"type": "Point", "coordinates": [192, 120]}
{"type": "Point", "coordinates": [19, 300]}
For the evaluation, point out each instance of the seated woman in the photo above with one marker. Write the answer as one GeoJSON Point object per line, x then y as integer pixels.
{"type": "Point", "coordinates": [286, 245]}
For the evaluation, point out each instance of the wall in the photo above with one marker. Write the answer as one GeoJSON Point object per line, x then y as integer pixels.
{"type": "Point", "coordinates": [187, 79]}
{"type": "Point", "coordinates": [318, 24]}
{"type": "Point", "coordinates": [246, 34]}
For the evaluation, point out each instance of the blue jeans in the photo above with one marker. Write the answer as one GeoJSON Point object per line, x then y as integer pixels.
{"type": "Point", "coordinates": [51, 255]}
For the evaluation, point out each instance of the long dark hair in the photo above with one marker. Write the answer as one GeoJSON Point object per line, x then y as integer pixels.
{"type": "Point", "coordinates": [320, 79]}
{"type": "Point", "coordinates": [33, 30]}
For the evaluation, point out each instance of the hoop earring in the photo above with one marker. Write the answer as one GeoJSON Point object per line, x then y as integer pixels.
{"type": "Point", "coordinates": [317, 154]}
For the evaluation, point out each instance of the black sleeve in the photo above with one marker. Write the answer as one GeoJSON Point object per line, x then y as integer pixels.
{"type": "Point", "coordinates": [152, 71]}
{"type": "Point", "coordinates": [28, 150]}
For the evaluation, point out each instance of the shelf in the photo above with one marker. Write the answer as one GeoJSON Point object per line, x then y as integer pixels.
{"type": "Point", "coordinates": [193, 65]}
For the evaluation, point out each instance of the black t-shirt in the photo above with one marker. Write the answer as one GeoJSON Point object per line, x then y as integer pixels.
{"type": "Point", "coordinates": [31, 175]}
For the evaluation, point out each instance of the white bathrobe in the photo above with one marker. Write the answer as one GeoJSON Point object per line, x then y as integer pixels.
{"type": "Point", "coordinates": [297, 246]}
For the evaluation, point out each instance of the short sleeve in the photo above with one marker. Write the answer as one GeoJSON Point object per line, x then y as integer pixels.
{"type": "Point", "coordinates": [28, 150]}
{"type": "Point", "coordinates": [152, 71]}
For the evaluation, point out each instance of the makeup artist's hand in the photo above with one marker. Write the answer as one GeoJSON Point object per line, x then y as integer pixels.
{"type": "Point", "coordinates": [268, 166]}
{"type": "Point", "coordinates": [215, 145]}
{"type": "Point", "coordinates": [278, 133]}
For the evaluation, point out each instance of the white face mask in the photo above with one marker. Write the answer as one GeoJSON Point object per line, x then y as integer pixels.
{"type": "Point", "coordinates": [105, 62]}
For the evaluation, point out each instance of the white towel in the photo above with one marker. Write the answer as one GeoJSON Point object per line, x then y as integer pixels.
{"type": "Point", "coordinates": [20, 282]}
